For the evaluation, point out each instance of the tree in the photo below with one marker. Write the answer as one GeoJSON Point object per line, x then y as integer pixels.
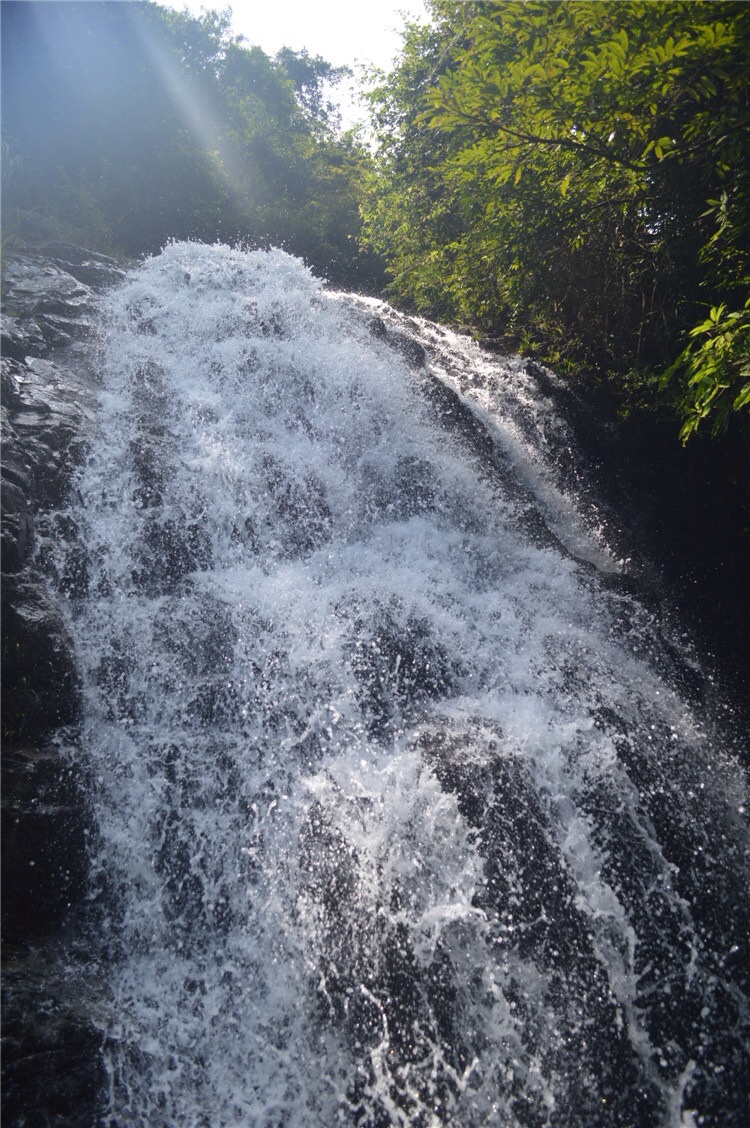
{"type": "Point", "coordinates": [130, 124]}
{"type": "Point", "coordinates": [575, 148]}
{"type": "Point", "coordinates": [91, 109]}
{"type": "Point", "coordinates": [313, 77]}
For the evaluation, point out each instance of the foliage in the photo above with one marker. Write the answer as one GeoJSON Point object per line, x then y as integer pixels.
{"type": "Point", "coordinates": [312, 76]}
{"type": "Point", "coordinates": [130, 124]}
{"type": "Point", "coordinates": [716, 366]}
{"type": "Point", "coordinates": [574, 174]}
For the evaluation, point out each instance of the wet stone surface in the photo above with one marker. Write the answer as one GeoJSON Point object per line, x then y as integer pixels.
{"type": "Point", "coordinates": [51, 1061]}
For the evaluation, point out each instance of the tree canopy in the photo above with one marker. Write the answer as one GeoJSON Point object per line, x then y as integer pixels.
{"type": "Point", "coordinates": [574, 175]}
{"type": "Point", "coordinates": [130, 124]}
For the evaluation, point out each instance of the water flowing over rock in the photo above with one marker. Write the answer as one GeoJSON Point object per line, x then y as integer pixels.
{"type": "Point", "coordinates": [50, 1048]}
{"type": "Point", "coordinates": [405, 808]}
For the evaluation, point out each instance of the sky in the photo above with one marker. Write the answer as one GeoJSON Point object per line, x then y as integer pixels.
{"type": "Point", "coordinates": [344, 32]}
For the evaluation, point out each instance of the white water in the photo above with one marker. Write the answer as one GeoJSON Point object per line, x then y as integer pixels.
{"type": "Point", "coordinates": [402, 817]}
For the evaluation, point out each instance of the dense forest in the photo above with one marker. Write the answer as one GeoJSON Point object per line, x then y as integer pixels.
{"type": "Point", "coordinates": [569, 178]}
{"type": "Point", "coordinates": [128, 124]}
{"type": "Point", "coordinates": [576, 175]}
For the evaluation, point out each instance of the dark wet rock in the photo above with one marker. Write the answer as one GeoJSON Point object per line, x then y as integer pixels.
{"type": "Point", "coordinates": [40, 684]}
{"type": "Point", "coordinates": [45, 411]}
{"type": "Point", "coordinates": [410, 349]}
{"type": "Point", "coordinates": [464, 425]}
{"type": "Point", "coordinates": [48, 307]}
{"type": "Point", "coordinates": [33, 284]}
{"type": "Point", "coordinates": [17, 518]}
{"type": "Point", "coordinates": [397, 489]}
{"type": "Point", "coordinates": [68, 565]}
{"type": "Point", "coordinates": [12, 373]}
{"type": "Point", "coordinates": [17, 532]}
{"type": "Point", "coordinates": [92, 269]}
{"type": "Point", "coordinates": [302, 516]}
{"type": "Point", "coordinates": [378, 328]}
{"type": "Point", "coordinates": [47, 427]}
{"type": "Point", "coordinates": [398, 664]}
{"type": "Point", "coordinates": [414, 353]}
{"type": "Point", "coordinates": [681, 512]}
{"type": "Point", "coordinates": [44, 841]}
{"type": "Point", "coordinates": [169, 552]}
{"type": "Point", "coordinates": [49, 297]}
{"type": "Point", "coordinates": [456, 415]}
{"type": "Point", "coordinates": [531, 905]}
{"type": "Point", "coordinates": [21, 338]}
{"type": "Point", "coordinates": [52, 1071]}
{"type": "Point", "coordinates": [370, 978]}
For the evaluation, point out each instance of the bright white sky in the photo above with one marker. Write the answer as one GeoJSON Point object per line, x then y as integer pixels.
{"type": "Point", "coordinates": [344, 32]}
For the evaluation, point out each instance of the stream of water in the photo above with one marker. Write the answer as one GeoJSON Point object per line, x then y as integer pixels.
{"type": "Point", "coordinates": [407, 812]}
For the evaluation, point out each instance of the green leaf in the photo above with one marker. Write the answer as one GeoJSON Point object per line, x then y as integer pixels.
{"type": "Point", "coordinates": [743, 398]}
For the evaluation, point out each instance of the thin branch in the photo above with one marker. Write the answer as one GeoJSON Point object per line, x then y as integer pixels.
{"type": "Point", "coordinates": [547, 142]}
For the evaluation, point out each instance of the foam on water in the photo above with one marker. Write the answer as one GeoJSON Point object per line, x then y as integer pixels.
{"type": "Point", "coordinates": [403, 816]}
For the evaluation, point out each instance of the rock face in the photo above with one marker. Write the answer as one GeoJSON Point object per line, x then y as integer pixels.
{"type": "Point", "coordinates": [50, 1051]}
{"type": "Point", "coordinates": [686, 511]}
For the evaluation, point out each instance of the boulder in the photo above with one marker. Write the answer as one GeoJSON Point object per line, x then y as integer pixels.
{"type": "Point", "coordinates": [44, 302]}
{"type": "Point", "coordinates": [92, 269]}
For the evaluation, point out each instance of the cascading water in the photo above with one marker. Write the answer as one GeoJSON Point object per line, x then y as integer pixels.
{"type": "Point", "coordinates": [402, 815]}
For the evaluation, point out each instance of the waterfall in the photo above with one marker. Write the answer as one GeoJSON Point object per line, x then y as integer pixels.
{"type": "Point", "coordinates": [407, 811]}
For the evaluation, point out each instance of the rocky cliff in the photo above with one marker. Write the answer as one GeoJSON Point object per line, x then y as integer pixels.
{"type": "Point", "coordinates": [49, 301]}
